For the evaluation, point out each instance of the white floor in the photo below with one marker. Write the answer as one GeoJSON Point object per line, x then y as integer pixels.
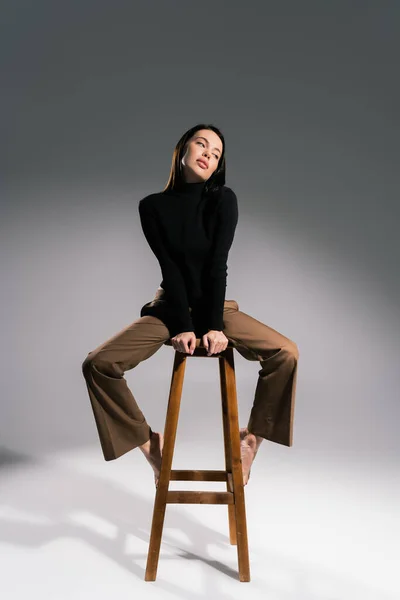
{"type": "Point", "coordinates": [75, 526]}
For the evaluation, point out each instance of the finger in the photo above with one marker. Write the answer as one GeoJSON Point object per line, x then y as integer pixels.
{"type": "Point", "coordinates": [205, 341]}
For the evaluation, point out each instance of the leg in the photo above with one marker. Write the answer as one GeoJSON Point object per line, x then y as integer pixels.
{"type": "Point", "coordinates": [272, 413]}
{"type": "Point", "coordinates": [120, 423]}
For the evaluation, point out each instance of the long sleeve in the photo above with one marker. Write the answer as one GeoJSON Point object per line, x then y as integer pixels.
{"type": "Point", "coordinates": [227, 219]}
{"type": "Point", "coordinates": [173, 281]}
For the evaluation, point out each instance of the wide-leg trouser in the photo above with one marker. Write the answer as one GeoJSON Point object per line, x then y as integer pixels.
{"type": "Point", "coordinates": [121, 424]}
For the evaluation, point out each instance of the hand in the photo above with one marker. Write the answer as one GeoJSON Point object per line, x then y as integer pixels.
{"type": "Point", "coordinates": [184, 342]}
{"type": "Point", "coordinates": [215, 342]}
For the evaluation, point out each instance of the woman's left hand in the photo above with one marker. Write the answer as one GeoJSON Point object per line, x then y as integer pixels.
{"type": "Point", "coordinates": [215, 342]}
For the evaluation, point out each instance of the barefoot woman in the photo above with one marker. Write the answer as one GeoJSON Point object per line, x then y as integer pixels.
{"type": "Point", "coordinates": [190, 227]}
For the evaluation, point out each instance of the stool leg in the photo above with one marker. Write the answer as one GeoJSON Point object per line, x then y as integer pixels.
{"type": "Point", "coordinates": [228, 369]}
{"type": "Point", "coordinates": [227, 448]}
{"type": "Point", "coordinates": [160, 502]}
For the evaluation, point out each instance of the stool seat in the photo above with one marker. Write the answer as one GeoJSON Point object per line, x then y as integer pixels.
{"type": "Point", "coordinates": [200, 350]}
{"type": "Point", "coordinates": [232, 474]}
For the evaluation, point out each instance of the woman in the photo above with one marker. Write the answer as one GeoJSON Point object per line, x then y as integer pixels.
{"type": "Point", "coordinates": [190, 227]}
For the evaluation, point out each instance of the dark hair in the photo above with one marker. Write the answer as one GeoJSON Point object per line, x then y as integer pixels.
{"type": "Point", "coordinates": [217, 179]}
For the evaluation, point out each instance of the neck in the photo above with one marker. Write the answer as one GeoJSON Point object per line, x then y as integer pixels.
{"type": "Point", "coordinates": [194, 188]}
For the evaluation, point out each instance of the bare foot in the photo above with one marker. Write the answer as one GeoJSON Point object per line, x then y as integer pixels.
{"type": "Point", "coordinates": [249, 444]}
{"type": "Point", "coordinates": [152, 449]}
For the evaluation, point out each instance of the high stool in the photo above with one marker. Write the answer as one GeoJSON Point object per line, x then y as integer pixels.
{"type": "Point", "coordinates": [234, 496]}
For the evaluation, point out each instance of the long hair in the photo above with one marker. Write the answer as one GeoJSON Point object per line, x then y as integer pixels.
{"type": "Point", "coordinates": [215, 182]}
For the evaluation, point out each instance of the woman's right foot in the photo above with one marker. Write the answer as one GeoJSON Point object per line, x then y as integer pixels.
{"type": "Point", "coordinates": [152, 449]}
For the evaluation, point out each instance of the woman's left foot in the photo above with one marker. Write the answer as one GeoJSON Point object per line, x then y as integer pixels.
{"type": "Point", "coordinates": [249, 445]}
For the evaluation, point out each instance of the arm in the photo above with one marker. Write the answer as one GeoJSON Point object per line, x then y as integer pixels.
{"type": "Point", "coordinates": [174, 284]}
{"type": "Point", "coordinates": [227, 219]}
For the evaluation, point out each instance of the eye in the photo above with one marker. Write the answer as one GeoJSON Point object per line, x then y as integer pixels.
{"type": "Point", "coordinates": [202, 143]}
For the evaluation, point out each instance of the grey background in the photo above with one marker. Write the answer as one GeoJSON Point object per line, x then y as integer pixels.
{"type": "Point", "coordinates": [94, 97]}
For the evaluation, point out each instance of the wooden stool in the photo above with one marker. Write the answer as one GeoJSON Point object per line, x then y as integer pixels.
{"type": "Point", "coordinates": [234, 496]}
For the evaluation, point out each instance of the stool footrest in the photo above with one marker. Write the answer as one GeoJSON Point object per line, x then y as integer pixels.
{"type": "Point", "coordinates": [198, 475]}
{"type": "Point", "coordinates": [195, 497]}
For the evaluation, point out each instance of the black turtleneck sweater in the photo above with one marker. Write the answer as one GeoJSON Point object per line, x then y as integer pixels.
{"type": "Point", "coordinates": [191, 235]}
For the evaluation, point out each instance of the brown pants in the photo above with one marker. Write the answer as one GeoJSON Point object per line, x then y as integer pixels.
{"type": "Point", "coordinates": [120, 423]}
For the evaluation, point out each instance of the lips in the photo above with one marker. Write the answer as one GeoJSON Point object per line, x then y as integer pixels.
{"type": "Point", "coordinates": [203, 163]}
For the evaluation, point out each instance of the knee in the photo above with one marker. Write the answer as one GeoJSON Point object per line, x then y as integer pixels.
{"type": "Point", "coordinates": [292, 350]}
{"type": "Point", "coordinates": [90, 362]}
{"type": "Point", "coordinates": [87, 363]}
{"type": "Point", "coordinates": [102, 365]}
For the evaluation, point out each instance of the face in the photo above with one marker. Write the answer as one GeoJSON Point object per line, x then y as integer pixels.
{"type": "Point", "coordinates": [204, 146]}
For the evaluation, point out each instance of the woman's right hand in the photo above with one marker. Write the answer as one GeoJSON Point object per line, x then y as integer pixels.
{"type": "Point", "coordinates": [184, 342]}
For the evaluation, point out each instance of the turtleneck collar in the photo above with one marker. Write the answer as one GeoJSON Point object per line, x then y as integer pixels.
{"type": "Point", "coordinates": [192, 189]}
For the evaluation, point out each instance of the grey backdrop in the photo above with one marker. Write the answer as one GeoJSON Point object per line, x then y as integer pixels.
{"type": "Point", "coordinates": [94, 97]}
